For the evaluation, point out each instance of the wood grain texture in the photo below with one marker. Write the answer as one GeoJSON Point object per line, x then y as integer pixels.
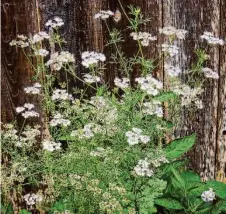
{"type": "Point", "coordinates": [198, 16]}
{"type": "Point", "coordinates": [16, 71]}
{"type": "Point", "coordinates": [221, 119]}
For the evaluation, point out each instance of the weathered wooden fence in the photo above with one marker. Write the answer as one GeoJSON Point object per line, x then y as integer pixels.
{"type": "Point", "coordinates": [83, 33]}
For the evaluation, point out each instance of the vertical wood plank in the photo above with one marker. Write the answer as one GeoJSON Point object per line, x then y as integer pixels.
{"type": "Point", "coordinates": [221, 119]}
{"type": "Point", "coordinates": [16, 71]}
{"type": "Point", "coordinates": [198, 16]}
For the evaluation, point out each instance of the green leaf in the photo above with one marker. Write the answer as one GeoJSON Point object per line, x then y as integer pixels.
{"type": "Point", "coordinates": [189, 176]}
{"type": "Point", "coordinates": [169, 203]}
{"type": "Point", "coordinates": [218, 187]}
{"type": "Point", "coordinates": [68, 138]}
{"type": "Point", "coordinates": [178, 147]}
{"type": "Point", "coordinates": [219, 207]}
{"type": "Point", "coordinates": [164, 97]}
{"type": "Point", "coordinates": [8, 209]}
{"type": "Point", "coordinates": [24, 212]}
{"type": "Point", "coordinates": [196, 188]}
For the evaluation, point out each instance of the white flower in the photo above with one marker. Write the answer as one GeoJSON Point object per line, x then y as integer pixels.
{"type": "Point", "coordinates": [56, 22]}
{"type": "Point", "coordinates": [209, 73]}
{"type": "Point", "coordinates": [149, 84]}
{"type": "Point", "coordinates": [135, 137]}
{"type": "Point", "coordinates": [122, 83]}
{"type": "Point", "coordinates": [180, 33]}
{"type": "Point", "coordinates": [28, 114]}
{"type": "Point", "coordinates": [20, 109]}
{"type": "Point", "coordinates": [22, 37]}
{"type": "Point", "coordinates": [152, 108]}
{"type": "Point", "coordinates": [58, 59]}
{"type": "Point", "coordinates": [208, 196]}
{"type": "Point", "coordinates": [86, 132]}
{"type": "Point", "coordinates": [92, 58]}
{"type": "Point", "coordinates": [51, 145]}
{"type": "Point", "coordinates": [59, 120]}
{"type": "Point", "coordinates": [104, 14]}
{"type": "Point", "coordinates": [199, 104]}
{"type": "Point", "coordinates": [144, 139]}
{"type": "Point", "coordinates": [142, 168]}
{"type": "Point", "coordinates": [60, 94]}
{"type": "Point", "coordinates": [32, 199]}
{"type": "Point", "coordinates": [172, 71]}
{"type": "Point", "coordinates": [172, 50]}
{"type": "Point", "coordinates": [35, 89]}
{"type": "Point", "coordinates": [39, 37]}
{"type": "Point", "coordinates": [168, 31]}
{"type": "Point", "coordinates": [211, 39]}
{"type": "Point", "coordinates": [41, 52]}
{"type": "Point", "coordinates": [29, 106]}
{"type": "Point", "coordinates": [13, 43]}
{"type": "Point", "coordinates": [144, 37]}
{"type": "Point", "coordinates": [91, 79]}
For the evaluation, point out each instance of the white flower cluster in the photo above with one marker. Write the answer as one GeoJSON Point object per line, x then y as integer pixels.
{"type": "Point", "coordinates": [38, 37]}
{"type": "Point", "coordinates": [149, 84]}
{"type": "Point", "coordinates": [144, 37]}
{"type": "Point", "coordinates": [92, 58]}
{"type": "Point", "coordinates": [28, 136]}
{"type": "Point", "coordinates": [188, 94]}
{"type": "Point", "coordinates": [27, 110]}
{"type": "Point", "coordinates": [32, 199]}
{"type": "Point", "coordinates": [135, 137]}
{"type": "Point", "coordinates": [142, 168]}
{"type": "Point", "coordinates": [87, 132]}
{"type": "Point", "coordinates": [41, 52]}
{"type": "Point", "coordinates": [59, 120]}
{"type": "Point", "coordinates": [104, 14]}
{"type": "Point", "coordinates": [100, 152]}
{"type": "Point", "coordinates": [61, 94]}
{"type": "Point", "coordinates": [104, 112]}
{"type": "Point", "coordinates": [170, 31]}
{"type": "Point", "coordinates": [152, 108]}
{"type": "Point", "coordinates": [208, 196]}
{"type": "Point", "coordinates": [50, 145]}
{"type": "Point", "coordinates": [57, 60]}
{"type": "Point", "coordinates": [35, 89]}
{"type": "Point", "coordinates": [171, 70]}
{"type": "Point", "coordinates": [90, 78]}
{"type": "Point", "coordinates": [209, 73]}
{"type": "Point", "coordinates": [122, 83]}
{"type": "Point", "coordinates": [99, 102]}
{"type": "Point", "coordinates": [211, 39]}
{"type": "Point", "coordinates": [22, 42]}
{"type": "Point", "coordinates": [157, 162]}
{"type": "Point", "coordinates": [172, 50]}
{"type": "Point", "coordinates": [55, 23]}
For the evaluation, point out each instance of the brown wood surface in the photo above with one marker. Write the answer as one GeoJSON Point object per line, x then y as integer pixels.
{"type": "Point", "coordinates": [83, 33]}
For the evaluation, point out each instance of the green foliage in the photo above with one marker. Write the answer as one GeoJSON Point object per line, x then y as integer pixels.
{"type": "Point", "coordinates": [24, 212]}
{"type": "Point", "coordinates": [178, 147]}
{"type": "Point", "coordinates": [219, 188]}
{"type": "Point", "coordinates": [169, 203]}
{"type": "Point", "coordinates": [104, 149]}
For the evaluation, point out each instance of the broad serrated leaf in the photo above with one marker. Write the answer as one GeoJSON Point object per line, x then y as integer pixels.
{"type": "Point", "coordinates": [169, 203]}
{"type": "Point", "coordinates": [218, 187]}
{"type": "Point", "coordinates": [178, 147]}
